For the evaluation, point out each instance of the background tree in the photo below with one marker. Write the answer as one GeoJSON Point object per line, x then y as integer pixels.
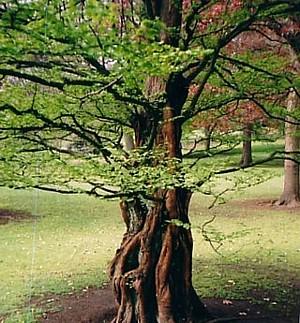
{"type": "Point", "coordinates": [287, 32]}
{"type": "Point", "coordinates": [90, 72]}
{"type": "Point", "coordinates": [281, 37]}
{"type": "Point", "coordinates": [235, 124]}
{"type": "Point", "coordinates": [249, 117]}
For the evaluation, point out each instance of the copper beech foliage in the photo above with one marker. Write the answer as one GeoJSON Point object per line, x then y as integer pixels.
{"type": "Point", "coordinates": [269, 37]}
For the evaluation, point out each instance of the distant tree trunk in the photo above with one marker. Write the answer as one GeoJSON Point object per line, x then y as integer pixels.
{"type": "Point", "coordinates": [207, 140]}
{"type": "Point", "coordinates": [127, 142]}
{"type": "Point", "coordinates": [290, 195]}
{"type": "Point", "coordinates": [208, 131]}
{"type": "Point", "coordinates": [247, 146]}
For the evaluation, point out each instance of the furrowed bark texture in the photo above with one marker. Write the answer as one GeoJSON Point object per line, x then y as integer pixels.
{"type": "Point", "coordinates": [151, 272]}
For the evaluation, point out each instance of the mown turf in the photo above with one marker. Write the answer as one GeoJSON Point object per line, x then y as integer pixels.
{"type": "Point", "coordinates": [65, 245]}
{"type": "Point", "coordinates": [67, 241]}
{"type": "Point", "coordinates": [255, 250]}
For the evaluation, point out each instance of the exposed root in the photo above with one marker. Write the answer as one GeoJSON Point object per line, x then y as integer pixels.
{"type": "Point", "coordinates": [289, 203]}
{"type": "Point", "coordinates": [151, 272]}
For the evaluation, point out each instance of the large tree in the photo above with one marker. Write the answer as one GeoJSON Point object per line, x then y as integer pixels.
{"type": "Point", "coordinates": [79, 75]}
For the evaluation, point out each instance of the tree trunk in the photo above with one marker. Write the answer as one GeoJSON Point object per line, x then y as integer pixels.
{"type": "Point", "coordinates": [247, 146]}
{"type": "Point", "coordinates": [290, 195]}
{"type": "Point", "coordinates": [127, 142]}
{"type": "Point", "coordinates": [152, 271]}
{"type": "Point", "coordinates": [208, 131]}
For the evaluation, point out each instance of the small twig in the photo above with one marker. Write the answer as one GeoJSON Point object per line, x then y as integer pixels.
{"type": "Point", "coordinates": [204, 232]}
{"type": "Point", "coordinates": [83, 98]}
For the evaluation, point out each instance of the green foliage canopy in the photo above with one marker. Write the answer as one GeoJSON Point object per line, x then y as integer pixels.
{"type": "Point", "coordinates": [74, 80]}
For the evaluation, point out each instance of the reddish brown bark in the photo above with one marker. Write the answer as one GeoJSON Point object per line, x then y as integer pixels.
{"type": "Point", "coordinates": [151, 272]}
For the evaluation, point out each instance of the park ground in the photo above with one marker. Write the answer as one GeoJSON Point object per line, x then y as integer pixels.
{"type": "Point", "coordinates": [256, 277]}
{"type": "Point", "coordinates": [97, 305]}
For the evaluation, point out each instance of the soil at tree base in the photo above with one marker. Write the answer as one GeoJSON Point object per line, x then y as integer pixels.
{"type": "Point", "coordinates": [94, 305]}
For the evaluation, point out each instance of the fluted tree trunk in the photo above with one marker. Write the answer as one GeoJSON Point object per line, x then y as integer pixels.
{"type": "Point", "coordinates": [151, 272]}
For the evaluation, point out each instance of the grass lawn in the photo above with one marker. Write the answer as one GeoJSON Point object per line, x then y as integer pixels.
{"type": "Point", "coordinates": [66, 248]}
{"type": "Point", "coordinates": [67, 241]}
{"type": "Point", "coordinates": [258, 249]}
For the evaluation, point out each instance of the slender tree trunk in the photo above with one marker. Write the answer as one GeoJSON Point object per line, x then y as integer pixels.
{"type": "Point", "coordinates": [291, 189]}
{"type": "Point", "coordinates": [208, 131]}
{"type": "Point", "coordinates": [290, 195]}
{"type": "Point", "coordinates": [247, 146]}
{"type": "Point", "coordinates": [207, 140]}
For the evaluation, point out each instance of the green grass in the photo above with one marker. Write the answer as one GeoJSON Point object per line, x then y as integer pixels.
{"type": "Point", "coordinates": [259, 256]}
{"type": "Point", "coordinates": [260, 150]}
{"type": "Point", "coordinates": [67, 247]}
{"type": "Point", "coordinates": [68, 242]}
